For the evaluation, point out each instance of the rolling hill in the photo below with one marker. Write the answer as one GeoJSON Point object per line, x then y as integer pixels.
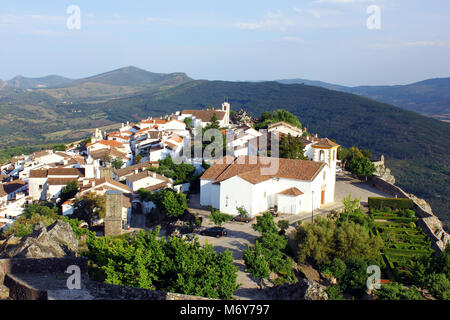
{"type": "Point", "coordinates": [417, 147]}
{"type": "Point", "coordinates": [429, 97]}
{"type": "Point", "coordinates": [21, 82]}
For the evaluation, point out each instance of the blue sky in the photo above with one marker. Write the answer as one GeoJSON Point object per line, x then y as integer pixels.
{"type": "Point", "coordinates": [324, 40]}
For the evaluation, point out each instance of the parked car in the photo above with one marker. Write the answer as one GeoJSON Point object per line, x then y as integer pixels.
{"type": "Point", "coordinates": [214, 232]}
{"type": "Point", "coordinates": [245, 219]}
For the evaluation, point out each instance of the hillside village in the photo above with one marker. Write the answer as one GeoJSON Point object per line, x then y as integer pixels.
{"type": "Point", "coordinates": [123, 166]}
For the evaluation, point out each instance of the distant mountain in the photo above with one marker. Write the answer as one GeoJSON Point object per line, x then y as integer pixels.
{"type": "Point", "coordinates": [116, 83]}
{"type": "Point", "coordinates": [124, 77]}
{"type": "Point", "coordinates": [430, 97]}
{"type": "Point", "coordinates": [21, 82]}
{"type": "Point", "coordinates": [315, 84]}
{"type": "Point", "coordinates": [132, 76]}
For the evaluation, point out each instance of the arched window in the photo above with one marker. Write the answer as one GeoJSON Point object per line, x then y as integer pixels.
{"type": "Point", "coordinates": [322, 155]}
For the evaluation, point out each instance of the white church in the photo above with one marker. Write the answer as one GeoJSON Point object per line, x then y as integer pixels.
{"type": "Point", "coordinates": [293, 187]}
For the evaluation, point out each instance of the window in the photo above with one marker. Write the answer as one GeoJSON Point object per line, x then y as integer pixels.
{"type": "Point", "coordinates": [322, 155]}
{"type": "Point", "coordinates": [226, 201]}
{"type": "Point", "coordinates": [334, 155]}
{"type": "Point", "coordinates": [324, 176]}
{"type": "Point", "coordinates": [265, 194]}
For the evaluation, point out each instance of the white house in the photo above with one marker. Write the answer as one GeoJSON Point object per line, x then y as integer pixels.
{"type": "Point", "coordinates": [146, 179]}
{"type": "Point", "coordinates": [293, 186]}
{"type": "Point", "coordinates": [47, 184]}
{"type": "Point", "coordinates": [285, 128]}
{"type": "Point", "coordinates": [202, 117]}
{"type": "Point", "coordinates": [240, 140]}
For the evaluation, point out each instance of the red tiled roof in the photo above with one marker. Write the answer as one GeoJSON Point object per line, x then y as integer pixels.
{"type": "Point", "coordinates": [79, 172]}
{"type": "Point", "coordinates": [205, 115]}
{"type": "Point", "coordinates": [325, 144]}
{"type": "Point", "coordinates": [59, 181]}
{"type": "Point", "coordinates": [294, 192]}
{"type": "Point", "coordinates": [249, 169]}
{"type": "Point", "coordinates": [38, 173]}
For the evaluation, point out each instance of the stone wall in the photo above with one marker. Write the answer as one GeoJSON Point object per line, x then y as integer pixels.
{"type": "Point", "coordinates": [428, 222]}
{"type": "Point", "coordinates": [46, 281]}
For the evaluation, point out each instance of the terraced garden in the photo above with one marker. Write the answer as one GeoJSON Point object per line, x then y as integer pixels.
{"type": "Point", "coordinates": [403, 239]}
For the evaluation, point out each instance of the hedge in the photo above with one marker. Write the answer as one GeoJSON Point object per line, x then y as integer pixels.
{"type": "Point", "coordinates": [394, 203]}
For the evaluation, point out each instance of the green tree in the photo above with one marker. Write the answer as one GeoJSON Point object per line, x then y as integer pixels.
{"type": "Point", "coordinates": [277, 116]}
{"type": "Point", "coordinates": [439, 285]}
{"type": "Point", "coordinates": [68, 192]}
{"type": "Point", "coordinates": [242, 211]}
{"type": "Point", "coordinates": [170, 202]}
{"type": "Point", "coordinates": [292, 148]}
{"type": "Point", "coordinates": [218, 217]}
{"type": "Point", "coordinates": [59, 147]}
{"type": "Point", "coordinates": [188, 122]}
{"type": "Point", "coordinates": [89, 207]}
{"type": "Point", "coordinates": [395, 291]}
{"type": "Point", "coordinates": [265, 223]}
{"type": "Point", "coordinates": [324, 240]}
{"type": "Point", "coordinates": [256, 263]}
{"type": "Point", "coordinates": [42, 209]}
{"type": "Point", "coordinates": [150, 262]}
{"type": "Point", "coordinates": [117, 163]}
{"type": "Point", "coordinates": [362, 167]}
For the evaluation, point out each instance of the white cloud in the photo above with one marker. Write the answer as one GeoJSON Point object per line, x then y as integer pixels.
{"type": "Point", "coordinates": [272, 21]}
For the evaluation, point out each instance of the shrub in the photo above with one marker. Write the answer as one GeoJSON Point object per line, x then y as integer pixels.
{"type": "Point", "coordinates": [393, 203]}
{"type": "Point", "coordinates": [218, 217]}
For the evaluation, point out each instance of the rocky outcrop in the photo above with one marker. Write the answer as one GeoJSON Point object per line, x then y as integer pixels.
{"type": "Point", "coordinates": [382, 171]}
{"type": "Point", "coordinates": [56, 241]}
{"type": "Point", "coordinates": [241, 117]}
{"type": "Point", "coordinates": [304, 289]}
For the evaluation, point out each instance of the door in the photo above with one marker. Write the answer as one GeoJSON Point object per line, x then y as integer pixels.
{"type": "Point", "coordinates": [322, 199]}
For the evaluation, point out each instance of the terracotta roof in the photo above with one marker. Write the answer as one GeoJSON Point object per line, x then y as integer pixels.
{"type": "Point", "coordinates": [294, 192]}
{"type": "Point", "coordinates": [325, 144]}
{"type": "Point", "coordinates": [110, 143]}
{"type": "Point", "coordinates": [79, 172]}
{"type": "Point", "coordinates": [129, 170]}
{"type": "Point", "coordinates": [146, 174]}
{"type": "Point", "coordinates": [205, 115]}
{"type": "Point", "coordinates": [99, 182]}
{"type": "Point", "coordinates": [108, 152]}
{"type": "Point", "coordinates": [176, 138]}
{"type": "Point", "coordinates": [60, 181]}
{"type": "Point", "coordinates": [2, 191]}
{"type": "Point", "coordinates": [159, 186]}
{"type": "Point", "coordinates": [38, 173]}
{"type": "Point", "coordinates": [171, 145]}
{"type": "Point", "coordinates": [40, 154]}
{"type": "Point", "coordinates": [62, 154]}
{"type": "Point", "coordinates": [249, 169]}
